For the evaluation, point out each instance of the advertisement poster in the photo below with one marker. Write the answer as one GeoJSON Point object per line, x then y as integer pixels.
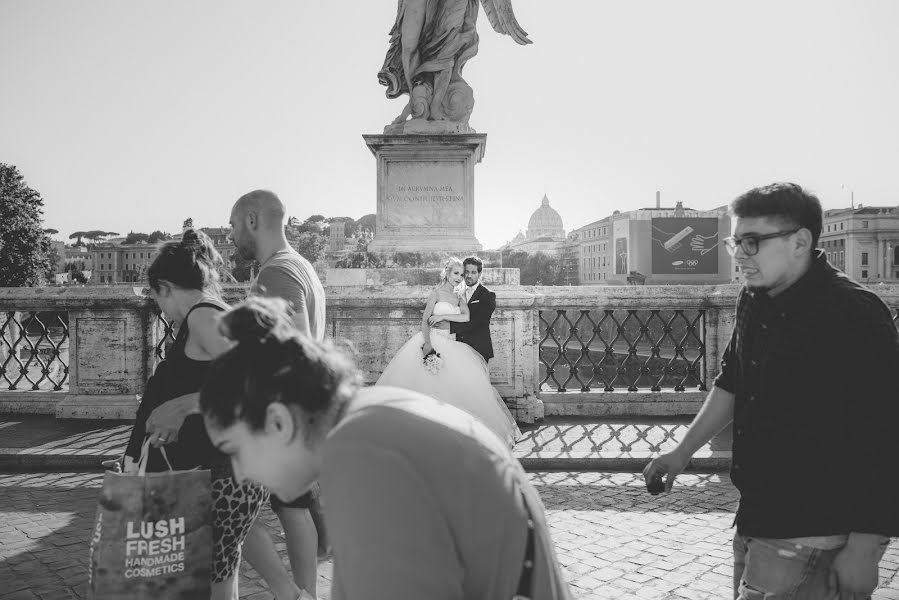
{"type": "Point", "coordinates": [621, 256]}
{"type": "Point", "coordinates": [685, 246]}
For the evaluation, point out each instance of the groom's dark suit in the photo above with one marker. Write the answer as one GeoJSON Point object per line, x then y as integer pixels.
{"type": "Point", "coordinates": [476, 333]}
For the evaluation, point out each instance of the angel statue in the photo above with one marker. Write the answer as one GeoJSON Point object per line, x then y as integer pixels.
{"type": "Point", "coordinates": [430, 42]}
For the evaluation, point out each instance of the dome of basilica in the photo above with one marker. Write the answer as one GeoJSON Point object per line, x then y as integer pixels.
{"type": "Point", "coordinates": [545, 222]}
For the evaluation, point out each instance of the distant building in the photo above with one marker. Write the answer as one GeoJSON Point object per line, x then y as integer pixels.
{"type": "Point", "coordinates": [863, 242]}
{"type": "Point", "coordinates": [221, 239]}
{"type": "Point", "coordinates": [656, 246]}
{"type": "Point", "coordinates": [593, 252]}
{"type": "Point", "coordinates": [569, 259]}
{"type": "Point", "coordinates": [338, 236]}
{"type": "Point", "coordinates": [546, 232]}
{"type": "Point", "coordinates": [115, 263]}
{"type": "Point", "coordinates": [81, 256]}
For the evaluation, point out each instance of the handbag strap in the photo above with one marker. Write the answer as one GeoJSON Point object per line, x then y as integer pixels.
{"type": "Point", "coordinates": [145, 455]}
{"type": "Point", "coordinates": [525, 581]}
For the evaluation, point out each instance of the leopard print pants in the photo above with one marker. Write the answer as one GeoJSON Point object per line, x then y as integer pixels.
{"type": "Point", "coordinates": [234, 508]}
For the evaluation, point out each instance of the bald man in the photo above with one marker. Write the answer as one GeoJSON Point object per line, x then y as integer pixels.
{"type": "Point", "coordinates": [257, 230]}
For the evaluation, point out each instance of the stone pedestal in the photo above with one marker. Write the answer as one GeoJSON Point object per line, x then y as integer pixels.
{"type": "Point", "coordinates": [426, 192]}
{"type": "Point", "coordinates": [109, 362]}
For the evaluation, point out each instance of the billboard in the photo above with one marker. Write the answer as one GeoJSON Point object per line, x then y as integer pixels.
{"type": "Point", "coordinates": [685, 246]}
{"type": "Point", "coordinates": [621, 256]}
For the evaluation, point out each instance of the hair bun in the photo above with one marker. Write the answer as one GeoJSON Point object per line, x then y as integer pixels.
{"type": "Point", "coordinates": [256, 320]}
{"type": "Point", "coordinates": [199, 245]}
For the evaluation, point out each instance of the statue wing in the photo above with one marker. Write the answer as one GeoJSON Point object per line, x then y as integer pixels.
{"type": "Point", "coordinates": [501, 17]}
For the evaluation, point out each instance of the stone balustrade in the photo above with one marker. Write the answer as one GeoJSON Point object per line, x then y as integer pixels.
{"type": "Point", "coordinates": [96, 346]}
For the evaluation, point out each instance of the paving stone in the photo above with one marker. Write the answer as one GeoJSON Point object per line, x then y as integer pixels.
{"type": "Point", "coordinates": [20, 595]}
{"type": "Point", "coordinates": [612, 540]}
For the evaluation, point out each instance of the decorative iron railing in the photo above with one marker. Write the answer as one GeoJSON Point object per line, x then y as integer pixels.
{"type": "Point", "coordinates": [34, 350]}
{"type": "Point", "coordinates": [167, 330]}
{"type": "Point", "coordinates": [615, 437]}
{"type": "Point", "coordinates": [634, 349]}
{"type": "Point", "coordinates": [643, 345]}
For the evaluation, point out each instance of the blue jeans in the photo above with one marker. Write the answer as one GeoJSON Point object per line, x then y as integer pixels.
{"type": "Point", "coordinates": [770, 569]}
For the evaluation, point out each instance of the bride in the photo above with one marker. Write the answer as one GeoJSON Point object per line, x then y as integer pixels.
{"type": "Point", "coordinates": [456, 374]}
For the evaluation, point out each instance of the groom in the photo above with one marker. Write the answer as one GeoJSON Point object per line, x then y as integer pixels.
{"type": "Point", "coordinates": [481, 304]}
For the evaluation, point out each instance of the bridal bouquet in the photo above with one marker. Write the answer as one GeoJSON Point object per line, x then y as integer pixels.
{"type": "Point", "coordinates": [432, 362]}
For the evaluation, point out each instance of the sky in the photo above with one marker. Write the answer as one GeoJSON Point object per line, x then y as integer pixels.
{"type": "Point", "coordinates": [137, 115]}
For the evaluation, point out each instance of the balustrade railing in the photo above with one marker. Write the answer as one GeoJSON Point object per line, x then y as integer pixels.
{"type": "Point", "coordinates": [605, 437]}
{"type": "Point", "coordinates": [98, 346]}
{"type": "Point", "coordinates": [632, 349]}
{"type": "Point", "coordinates": [166, 332]}
{"type": "Point", "coordinates": [34, 350]}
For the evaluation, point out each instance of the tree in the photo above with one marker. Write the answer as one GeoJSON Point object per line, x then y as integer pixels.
{"type": "Point", "coordinates": [407, 259]}
{"type": "Point", "coordinates": [536, 269]}
{"type": "Point", "coordinates": [96, 234]}
{"type": "Point", "coordinates": [140, 274]}
{"type": "Point", "coordinates": [367, 223]}
{"type": "Point", "coordinates": [515, 259]}
{"type": "Point", "coordinates": [292, 230]}
{"type": "Point", "coordinates": [93, 235]}
{"type": "Point", "coordinates": [545, 269]}
{"type": "Point", "coordinates": [24, 247]}
{"type": "Point", "coordinates": [361, 257]}
{"type": "Point", "coordinates": [51, 231]}
{"type": "Point", "coordinates": [78, 276]}
{"type": "Point", "coordinates": [313, 224]}
{"type": "Point", "coordinates": [158, 236]}
{"type": "Point", "coordinates": [360, 260]}
{"type": "Point", "coordinates": [135, 238]}
{"type": "Point", "coordinates": [75, 264]}
{"type": "Point", "coordinates": [311, 245]}
{"type": "Point", "coordinates": [53, 260]}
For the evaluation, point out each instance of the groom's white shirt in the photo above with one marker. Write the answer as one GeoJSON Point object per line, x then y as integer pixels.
{"type": "Point", "coordinates": [470, 290]}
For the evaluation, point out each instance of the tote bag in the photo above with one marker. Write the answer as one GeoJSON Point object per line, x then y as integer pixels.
{"type": "Point", "coordinates": [152, 536]}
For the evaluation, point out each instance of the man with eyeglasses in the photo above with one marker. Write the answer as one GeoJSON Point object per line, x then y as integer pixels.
{"type": "Point", "coordinates": [809, 379]}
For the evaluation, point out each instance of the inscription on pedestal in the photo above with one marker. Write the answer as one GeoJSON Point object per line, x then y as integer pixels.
{"type": "Point", "coordinates": [425, 194]}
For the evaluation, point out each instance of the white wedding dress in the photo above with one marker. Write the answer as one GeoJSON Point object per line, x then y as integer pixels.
{"type": "Point", "coordinates": [462, 380]}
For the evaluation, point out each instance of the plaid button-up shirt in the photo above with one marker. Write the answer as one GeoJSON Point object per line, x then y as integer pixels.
{"type": "Point", "coordinates": [815, 374]}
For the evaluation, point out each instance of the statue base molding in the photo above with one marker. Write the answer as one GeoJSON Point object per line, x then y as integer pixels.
{"type": "Point", "coordinates": [424, 126]}
{"type": "Point", "coordinates": [425, 192]}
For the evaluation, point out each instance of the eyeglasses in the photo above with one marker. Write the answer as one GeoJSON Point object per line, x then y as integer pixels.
{"type": "Point", "coordinates": [750, 243]}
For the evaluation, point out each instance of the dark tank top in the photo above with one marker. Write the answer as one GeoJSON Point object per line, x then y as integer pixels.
{"type": "Point", "coordinates": [176, 376]}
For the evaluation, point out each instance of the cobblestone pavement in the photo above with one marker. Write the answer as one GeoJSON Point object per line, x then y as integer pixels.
{"type": "Point", "coordinates": [41, 438]}
{"type": "Point", "coordinates": [613, 539]}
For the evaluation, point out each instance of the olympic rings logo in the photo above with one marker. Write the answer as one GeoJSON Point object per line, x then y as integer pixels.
{"type": "Point", "coordinates": [692, 262]}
